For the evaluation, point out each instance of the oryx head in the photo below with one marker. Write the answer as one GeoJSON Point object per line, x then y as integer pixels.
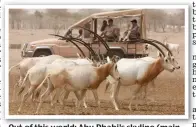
{"type": "Point", "coordinates": [173, 61]}
{"type": "Point", "coordinates": [166, 62]}
{"type": "Point", "coordinates": [113, 70]}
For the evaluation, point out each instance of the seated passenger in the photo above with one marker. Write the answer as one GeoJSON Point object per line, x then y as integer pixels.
{"type": "Point", "coordinates": [104, 25]}
{"type": "Point", "coordinates": [133, 33]}
{"type": "Point", "coordinates": [80, 34]}
{"type": "Point", "coordinates": [135, 30]}
{"type": "Point", "coordinates": [109, 32]}
{"type": "Point", "coordinates": [116, 34]}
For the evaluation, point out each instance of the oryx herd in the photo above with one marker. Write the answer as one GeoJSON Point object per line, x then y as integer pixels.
{"type": "Point", "coordinates": [61, 76]}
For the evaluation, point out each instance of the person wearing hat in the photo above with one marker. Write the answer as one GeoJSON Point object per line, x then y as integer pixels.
{"type": "Point", "coordinates": [132, 33]}
{"type": "Point", "coordinates": [135, 31]}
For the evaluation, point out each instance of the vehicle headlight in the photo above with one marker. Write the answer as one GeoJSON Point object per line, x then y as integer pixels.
{"type": "Point", "coordinates": [30, 47]}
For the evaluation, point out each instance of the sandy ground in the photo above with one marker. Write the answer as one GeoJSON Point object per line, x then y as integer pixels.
{"type": "Point", "coordinates": [169, 92]}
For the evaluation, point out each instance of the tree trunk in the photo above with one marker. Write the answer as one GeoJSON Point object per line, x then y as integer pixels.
{"type": "Point", "coordinates": [179, 28]}
{"type": "Point", "coordinates": [18, 25]}
{"type": "Point", "coordinates": [173, 28]}
{"type": "Point", "coordinates": [155, 26]}
{"type": "Point", "coordinates": [149, 27]}
{"type": "Point", "coordinates": [12, 24]}
{"type": "Point", "coordinates": [163, 27]}
{"type": "Point", "coordinates": [40, 24]}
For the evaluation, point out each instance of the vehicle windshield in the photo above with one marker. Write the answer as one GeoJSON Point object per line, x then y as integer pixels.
{"type": "Point", "coordinates": [110, 29]}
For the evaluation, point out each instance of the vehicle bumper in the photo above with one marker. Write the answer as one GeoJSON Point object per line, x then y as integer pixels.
{"type": "Point", "coordinates": [27, 54]}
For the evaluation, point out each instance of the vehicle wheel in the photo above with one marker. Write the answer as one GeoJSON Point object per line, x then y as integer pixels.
{"type": "Point", "coordinates": [42, 54]}
{"type": "Point", "coordinates": [117, 53]}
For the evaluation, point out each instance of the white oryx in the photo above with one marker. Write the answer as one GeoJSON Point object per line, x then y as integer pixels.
{"type": "Point", "coordinates": [173, 62]}
{"type": "Point", "coordinates": [151, 59]}
{"type": "Point", "coordinates": [37, 73]}
{"type": "Point", "coordinates": [79, 79]}
{"type": "Point", "coordinates": [27, 64]}
{"type": "Point", "coordinates": [139, 72]}
{"type": "Point", "coordinates": [172, 47]}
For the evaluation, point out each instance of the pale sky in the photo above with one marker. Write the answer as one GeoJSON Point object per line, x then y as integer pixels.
{"type": "Point", "coordinates": [75, 10]}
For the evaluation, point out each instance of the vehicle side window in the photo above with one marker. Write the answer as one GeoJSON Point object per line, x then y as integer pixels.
{"type": "Point", "coordinates": [87, 33]}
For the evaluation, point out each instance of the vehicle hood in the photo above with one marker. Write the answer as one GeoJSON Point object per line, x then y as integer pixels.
{"type": "Point", "coordinates": [48, 41]}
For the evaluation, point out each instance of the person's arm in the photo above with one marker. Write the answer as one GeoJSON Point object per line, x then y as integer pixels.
{"type": "Point", "coordinates": [104, 32]}
{"type": "Point", "coordinates": [138, 32]}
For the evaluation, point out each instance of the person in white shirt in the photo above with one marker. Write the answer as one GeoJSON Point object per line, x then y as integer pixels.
{"type": "Point", "coordinates": [109, 32]}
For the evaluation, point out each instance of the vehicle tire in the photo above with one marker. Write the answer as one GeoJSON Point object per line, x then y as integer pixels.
{"type": "Point", "coordinates": [42, 53]}
{"type": "Point", "coordinates": [118, 53]}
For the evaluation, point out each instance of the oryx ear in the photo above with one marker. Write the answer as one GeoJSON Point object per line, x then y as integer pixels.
{"type": "Point", "coordinates": [159, 54]}
{"type": "Point", "coordinates": [108, 59]}
{"type": "Point", "coordinates": [89, 60]}
{"type": "Point", "coordinates": [114, 58]}
{"type": "Point", "coordinates": [168, 54]}
{"type": "Point", "coordinates": [79, 56]}
{"type": "Point", "coordinates": [93, 60]}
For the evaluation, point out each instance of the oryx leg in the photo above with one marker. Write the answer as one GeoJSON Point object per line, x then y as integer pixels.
{"type": "Point", "coordinates": [153, 90]}
{"type": "Point", "coordinates": [145, 87]}
{"type": "Point", "coordinates": [32, 97]}
{"type": "Point", "coordinates": [28, 94]}
{"type": "Point", "coordinates": [133, 96]}
{"type": "Point", "coordinates": [96, 99]}
{"type": "Point", "coordinates": [36, 95]}
{"type": "Point", "coordinates": [145, 93]}
{"type": "Point", "coordinates": [115, 91]}
{"type": "Point", "coordinates": [48, 91]}
{"type": "Point", "coordinates": [107, 85]}
{"type": "Point", "coordinates": [16, 85]}
{"type": "Point", "coordinates": [65, 95]}
{"type": "Point", "coordinates": [83, 93]}
{"type": "Point", "coordinates": [38, 91]}
{"type": "Point", "coordinates": [14, 96]}
{"type": "Point", "coordinates": [80, 96]}
{"type": "Point", "coordinates": [141, 94]}
{"type": "Point", "coordinates": [84, 103]}
{"type": "Point", "coordinates": [53, 97]}
{"type": "Point", "coordinates": [60, 95]}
